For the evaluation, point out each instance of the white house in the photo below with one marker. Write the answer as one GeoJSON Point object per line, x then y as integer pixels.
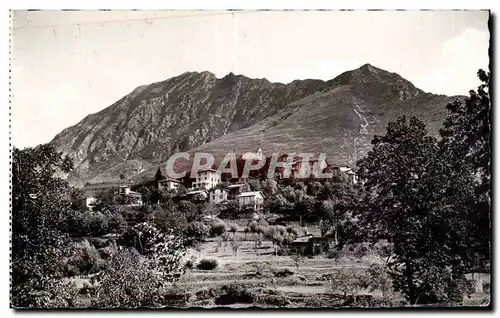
{"type": "Point", "coordinates": [218, 195]}
{"type": "Point", "coordinates": [254, 155]}
{"type": "Point", "coordinates": [93, 190]}
{"type": "Point", "coordinates": [352, 177]}
{"type": "Point", "coordinates": [207, 179]}
{"type": "Point", "coordinates": [135, 198]}
{"type": "Point", "coordinates": [236, 189]}
{"type": "Point", "coordinates": [90, 202]}
{"type": "Point", "coordinates": [348, 174]}
{"type": "Point", "coordinates": [124, 189]}
{"type": "Point", "coordinates": [168, 184]}
{"type": "Point", "coordinates": [252, 200]}
{"type": "Point", "coordinates": [202, 194]}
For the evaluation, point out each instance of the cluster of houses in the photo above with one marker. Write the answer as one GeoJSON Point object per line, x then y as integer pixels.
{"type": "Point", "coordinates": [91, 192]}
{"type": "Point", "coordinates": [208, 185]}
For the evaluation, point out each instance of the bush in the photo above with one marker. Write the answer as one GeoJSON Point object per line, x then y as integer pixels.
{"type": "Point", "coordinates": [208, 264]}
{"type": "Point", "coordinates": [99, 242]}
{"type": "Point", "coordinates": [197, 231]}
{"type": "Point", "coordinates": [274, 300]}
{"type": "Point", "coordinates": [206, 293]}
{"type": "Point", "coordinates": [86, 259]}
{"type": "Point", "coordinates": [283, 273]}
{"type": "Point", "coordinates": [235, 293]}
{"type": "Point", "coordinates": [281, 230]}
{"type": "Point", "coordinates": [189, 264]}
{"type": "Point", "coordinates": [218, 228]}
{"type": "Point", "coordinates": [284, 251]}
{"type": "Point", "coordinates": [131, 280]}
{"type": "Point", "coordinates": [361, 250]}
{"type": "Point", "coordinates": [233, 228]}
{"type": "Point", "coordinates": [108, 251]}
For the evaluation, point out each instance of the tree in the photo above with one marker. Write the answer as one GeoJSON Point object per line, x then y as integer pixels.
{"type": "Point", "coordinates": [41, 204]}
{"type": "Point", "coordinates": [116, 222]}
{"type": "Point", "coordinates": [197, 231]}
{"type": "Point", "coordinates": [158, 176]}
{"type": "Point", "coordinates": [218, 228]}
{"type": "Point", "coordinates": [168, 218]}
{"type": "Point", "coordinates": [298, 258]}
{"type": "Point", "coordinates": [211, 209]}
{"type": "Point", "coordinates": [235, 244]}
{"type": "Point", "coordinates": [335, 215]}
{"type": "Point", "coordinates": [466, 140]}
{"type": "Point", "coordinates": [413, 200]}
{"type": "Point", "coordinates": [131, 281]}
{"type": "Point", "coordinates": [189, 209]}
{"type": "Point", "coordinates": [247, 230]}
{"type": "Point", "coordinates": [233, 228]}
{"type": "Point", "coordinates": [232, 206]}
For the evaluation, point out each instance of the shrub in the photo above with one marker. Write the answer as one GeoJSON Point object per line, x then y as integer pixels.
{"type": "Point", "coordinates": [253, 226]}
{"type": "Point", "coordinates": [206, 293]}
{"type": "Point", "coordinates": [207, 264]}
{"type": "Point", "coordinates": [108, 251]}
{"type": "Point", "coordinates": [283, 273]}
{"type": "Point", "coordinates": [281, 230]}
{"type": "Point", "coordinates": [189, 264]}
{"type": "Point", "coordinates": [274, 300]}
{"type": "Point", "coordinates": [283, 251]}
{"type": "Point", "coordinates": [247, 230]}
{"type": "Point", "coordinates": [233, 228]}
{"type": "Point", "coordinates": [197, 231]}
{"type": "Point", "coordinates": [86, 258]}
{"type": "Point", "coordinates": [218, 228]}
{"type": "Point", "coordinates": [99, 242]}
{"type": "Point", "coordinates": [262, 229]}
{"type": "Point", "coordinates": [235, 293]}
{"type": "Point", "coordinates": [361, 250]}
{"type": "Point", "coordinates": [292, 231]}
{"type": "Point", "coordinates": [131, 280]}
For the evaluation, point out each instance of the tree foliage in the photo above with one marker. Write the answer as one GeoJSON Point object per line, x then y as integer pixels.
{"type": "Point", "coordinates": [40, 205]}
{"type": "Point", "coordinates": [419, 202]}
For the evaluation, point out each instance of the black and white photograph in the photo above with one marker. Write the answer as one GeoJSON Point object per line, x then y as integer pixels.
{"type": "Point", "coordinates": [270, 159]}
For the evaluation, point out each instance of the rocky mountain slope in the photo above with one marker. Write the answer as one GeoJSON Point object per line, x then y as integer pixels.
{"type": "Point", "coordinates": [154, 121]}
{"type": "Point", "coordinates": [198, 112]}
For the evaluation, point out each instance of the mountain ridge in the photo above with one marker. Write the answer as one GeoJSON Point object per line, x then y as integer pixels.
{"type": "Point", "coordinates": [197, 111]}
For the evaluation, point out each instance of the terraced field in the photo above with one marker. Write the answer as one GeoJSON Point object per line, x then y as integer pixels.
{"type": "Point", "coordinates": [260, 272]}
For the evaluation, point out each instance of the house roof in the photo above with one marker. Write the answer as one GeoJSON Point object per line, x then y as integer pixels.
{"type": "Point", "coordinates": [249, 194]}
{"type": "Point", "coordinates": [170, 179]}
{"type": "Point", "coordinates": [303, 239]}
{"type": "Point", "coordinates": [214, 189]}
{"type": "Point", "coordinates": [344, 169]}
{"type": "Point", "coordinates": [236, 185]}
{"type": "Point", "coordinates": [196, 192]}
{"type": "Point", "coordinates": [208, 170]}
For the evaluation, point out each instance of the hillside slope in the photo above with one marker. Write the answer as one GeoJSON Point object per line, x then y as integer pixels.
{"type": "Point", "coordinates": [154, 121]}
{"type": "Point", "coordinates": [198, 112]}
{"type": "Point", "coordinates": [340, 122]}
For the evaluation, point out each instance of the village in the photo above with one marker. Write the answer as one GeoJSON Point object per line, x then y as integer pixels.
{"type": "Point", "coordinates": [243, 159]}
{"type": "Point", "coordinates": [213, 186]}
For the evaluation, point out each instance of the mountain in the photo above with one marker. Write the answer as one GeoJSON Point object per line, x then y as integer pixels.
{"type": "Point", "coordinates": [198, 112]}
{"type": "Point", "coordinates": [154, 121]}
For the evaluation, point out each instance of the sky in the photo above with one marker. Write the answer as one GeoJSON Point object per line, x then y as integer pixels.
{"type": "Point", "coordinates": [66, 65]}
